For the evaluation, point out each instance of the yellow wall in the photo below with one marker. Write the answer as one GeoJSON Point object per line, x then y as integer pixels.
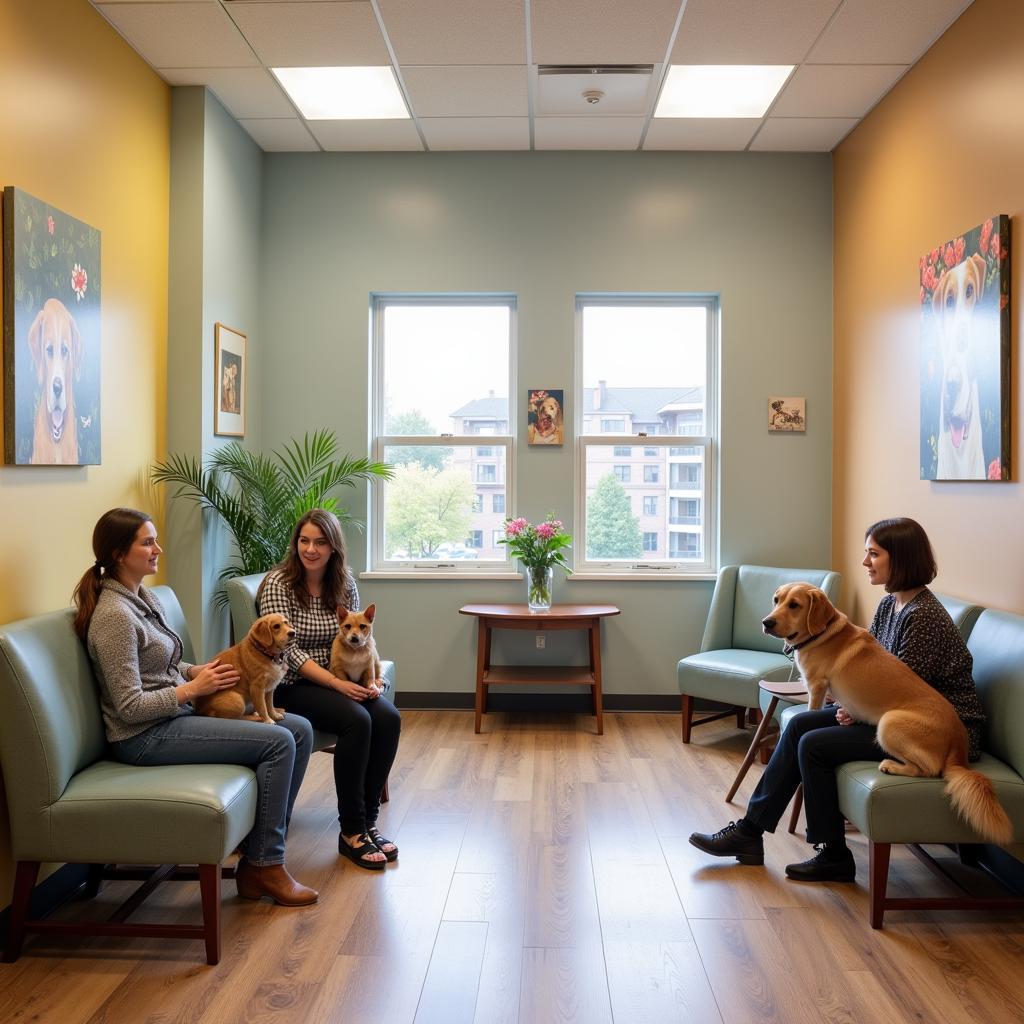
{"type": "Point", "coordinates": [85, 127]}
{"type": "Point", "coordinates": [942, 152]}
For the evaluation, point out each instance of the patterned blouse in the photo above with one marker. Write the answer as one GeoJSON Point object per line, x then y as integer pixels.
{"type": "Point", "coordinates": [315, 626]}
{"type": "Point", "coordinates": [923, 636]}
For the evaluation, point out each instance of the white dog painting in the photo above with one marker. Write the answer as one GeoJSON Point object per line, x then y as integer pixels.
{"type": "Point", "coordinates": [965, 356]}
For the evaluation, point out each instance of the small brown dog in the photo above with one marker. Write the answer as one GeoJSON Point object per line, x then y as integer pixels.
{"type": "Point", "coordinates": [259, 658]}
{"type": "Point", "coordinates": [354, 651]}
{"type": "Point", "coordinates": [916, 724]}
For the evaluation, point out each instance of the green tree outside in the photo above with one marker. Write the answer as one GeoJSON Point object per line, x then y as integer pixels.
{"type": "Point", "coordinates": [426, 507]}
{"type": "Point", "coordinates": [612, 529]}
{"type": "Point", "coordinates": [411, 423]}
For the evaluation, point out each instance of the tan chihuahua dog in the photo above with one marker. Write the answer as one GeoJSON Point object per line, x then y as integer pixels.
{"type": "Point", "coordinates": [354, 652]}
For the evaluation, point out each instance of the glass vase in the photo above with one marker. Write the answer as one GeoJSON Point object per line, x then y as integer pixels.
{"type": "Point", "coordinates": [539, 580]}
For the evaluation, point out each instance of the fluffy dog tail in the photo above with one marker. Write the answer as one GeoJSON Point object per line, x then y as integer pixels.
{"type": "Point", "coordinates": [974, 799]}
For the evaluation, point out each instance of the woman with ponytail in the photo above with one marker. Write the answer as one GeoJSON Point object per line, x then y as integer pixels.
{"type": "Point", "coordinates": [146, 692]}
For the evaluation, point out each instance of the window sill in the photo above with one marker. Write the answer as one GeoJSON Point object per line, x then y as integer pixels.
{"type": "Point", "coordinates": [435, 574]}
{"type": "Point", "coordinates": [642, 577]}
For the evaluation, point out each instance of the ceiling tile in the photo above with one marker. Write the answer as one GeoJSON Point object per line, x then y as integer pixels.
{"type": "Point", "coordinates": [622, 95]}
{"type": "Point", "coordinates": [601, 31]}
{"type": "Point", "coordinates": [836, 90]}
{"type": "Point", "coordinates": [750, 31]}
{"type": "Point", "coordinates": [180, 35]}
{"type": "Point", "coordinates": [701, 133]}
{"type": "Point", "coordinates": [364, 136]}
{"type": "Point", "coordinates": [587, 132]}
{"type": "Point", "coordinates": [802, 134]}
{"type": "Point", "coordinates": [280, 135]}
{"type": "Point", "coordinates": [432, 32]}
{"type": "Point", "coordinates": [467, 91]}
{"type": "Point", "coordinates": [246, 92]}
{"type": "Point", "coordinates": [883, 32]}
{"type": "Point", "coordinates": [476, 133]}
{"type": "Point", "coordinates": [312, 34]}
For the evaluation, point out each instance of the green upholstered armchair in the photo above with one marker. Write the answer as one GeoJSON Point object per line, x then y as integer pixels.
{"type": "Point", "coordinates": [71, 803]}
{"type": "Point", "coordinates": [242, 600]}
{"type": "Point", "coordinates": [735, 655]}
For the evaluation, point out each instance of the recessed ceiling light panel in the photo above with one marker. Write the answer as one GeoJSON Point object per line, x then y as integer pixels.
{"type": "Point", "coordinates": [340, 94]}
{"type": "Point", "coordinates": [721, 90]}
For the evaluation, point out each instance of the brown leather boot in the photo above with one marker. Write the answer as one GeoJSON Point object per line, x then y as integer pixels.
{"type": "Point", "coordinates": [274, 881]}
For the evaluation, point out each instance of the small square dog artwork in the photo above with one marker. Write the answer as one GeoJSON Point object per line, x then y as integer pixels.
{"type": "Point", "coordinates": [965, 355]}
{"type": "Point", "coordinates": [787, 414]}
{"type": "Point", "coordinates": [544, 416]}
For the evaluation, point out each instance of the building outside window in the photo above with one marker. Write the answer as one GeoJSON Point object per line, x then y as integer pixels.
{"type": "Point", "coordinates": [650, 474]}
{"type": "Point", "coordinates": [650, 505]}
{"type": "Point", "coordinates": [622, 474]}
{"type": "Point", "coordinates": [650, 541]}
{"type": "Point", "coordinates": [498, 503]}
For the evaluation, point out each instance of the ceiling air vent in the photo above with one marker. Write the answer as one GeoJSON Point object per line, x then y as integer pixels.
{"type": "Point", "coordinates": [571, 90]}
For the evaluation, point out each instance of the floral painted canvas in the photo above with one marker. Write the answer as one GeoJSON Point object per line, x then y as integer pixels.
{"type": "Point", "coordinates": [965, 355]}
{"type": "Point", "coordinates": [51, 333]}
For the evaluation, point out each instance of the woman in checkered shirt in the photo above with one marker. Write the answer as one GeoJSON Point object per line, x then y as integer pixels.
{"type": "Point", "coordinates": [308, 586]}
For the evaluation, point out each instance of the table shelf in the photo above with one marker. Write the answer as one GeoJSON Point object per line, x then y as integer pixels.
{"type": "Point", "coordinates": [547, 675]}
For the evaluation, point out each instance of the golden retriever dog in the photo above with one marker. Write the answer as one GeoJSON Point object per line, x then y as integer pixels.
{"type": "Point", "coordinates": [354, 651]}
{"type": "Point", "coordinates": [55, 345]}
{"type": "Point", "coordinates": [960, 450]}
{"type": "Point", "coordinates": [259, 658]}
{"type": "Point", "coordinates": [917, 726]}
{"type": "Point", "coordinates": [547, 429]}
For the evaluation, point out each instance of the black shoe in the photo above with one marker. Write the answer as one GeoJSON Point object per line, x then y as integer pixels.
{"type": "Point", "coordinates": [731, 841]}
{"type": "Point", "coordinates": [825, 867]}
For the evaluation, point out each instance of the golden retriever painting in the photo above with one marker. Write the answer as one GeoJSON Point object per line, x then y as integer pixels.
{"type": "Point", "coordinates": [917, 726]}
{"type": "Point", "coordinates": [544, 417]}
{"type": "Point", "coordinates": [51, 335]}
{"type": "Point", "coordinates": [965, 355]}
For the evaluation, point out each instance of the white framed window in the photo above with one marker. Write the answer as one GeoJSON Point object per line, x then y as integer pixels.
{"type": "Point", "coordinates": [443, 371]}
{"type": "Point", "coordinates": [662, 384]}
{"type": "Point", "coordinates": [623, 451]}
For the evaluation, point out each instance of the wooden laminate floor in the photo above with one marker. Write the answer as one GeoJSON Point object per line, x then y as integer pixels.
{"type": "Point", "coordinates": [544, 876]}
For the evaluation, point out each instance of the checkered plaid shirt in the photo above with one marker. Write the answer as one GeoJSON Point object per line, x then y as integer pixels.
{"type": "Point", "coordinates": [315, 626]}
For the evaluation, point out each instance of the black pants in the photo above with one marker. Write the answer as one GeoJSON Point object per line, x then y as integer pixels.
{"type": "Point", "coordinates": [809, 751]}
{"type": "Point", "coordinates": [367, 743]}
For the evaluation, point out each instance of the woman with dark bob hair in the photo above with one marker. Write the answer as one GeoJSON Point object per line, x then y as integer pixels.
{"type": "Point", "coordinates": [910, 623]}
{"type": "Point", "coordinates": [146, 694]}
{"type": "Point", "coordinates": [309, 586]}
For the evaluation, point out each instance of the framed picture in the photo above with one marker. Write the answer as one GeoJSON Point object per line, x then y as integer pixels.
{"type": "Point", "coordinates": [544, 421]}
{"type": "Point", "coordinates": [787, 413]}
{"type": "Point", "coordinates": [965, 355]}
{"type": "Point", "coordinates": [230, 374]}
{"type": "Point", "coordinates": [51, 335]}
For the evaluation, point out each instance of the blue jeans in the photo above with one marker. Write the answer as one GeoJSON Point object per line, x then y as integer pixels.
{"type": "Point", "coordinates": [277, 753]}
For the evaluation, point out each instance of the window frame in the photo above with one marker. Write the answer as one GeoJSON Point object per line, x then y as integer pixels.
{"type": "Point", "coordinates": [379, 441]}
{"type": "Point", "coordinates": [708, 443]}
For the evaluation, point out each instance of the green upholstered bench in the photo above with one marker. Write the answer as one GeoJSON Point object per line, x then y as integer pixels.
{"type": "Point", "coordinates": [71, 803]}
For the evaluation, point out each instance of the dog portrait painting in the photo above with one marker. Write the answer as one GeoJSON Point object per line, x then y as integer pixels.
{"type": "Point", "coordinates": [544, 416]}
{"type": "Point", "coordinates": [965, 356]}
{"type": "Point", "coordinates": [51, 335]}
{"type": "Point", "coordinates": [229, 381]}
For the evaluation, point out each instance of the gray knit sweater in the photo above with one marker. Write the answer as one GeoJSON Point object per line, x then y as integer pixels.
{"type": "Point", "coordinates": [137, 659]}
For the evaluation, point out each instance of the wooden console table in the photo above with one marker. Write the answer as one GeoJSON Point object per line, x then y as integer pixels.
{"type": "Point", "coordinates": [518, 616]}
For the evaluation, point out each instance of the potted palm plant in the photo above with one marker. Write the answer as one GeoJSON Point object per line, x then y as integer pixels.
{"type": "Point", "coordinates": [260, 497]}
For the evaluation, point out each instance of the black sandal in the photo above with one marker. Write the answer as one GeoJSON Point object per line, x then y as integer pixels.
{"type": "Point", "coordinates": [381, 842]}
{"type": "Point", "coordinates": [357, 854]}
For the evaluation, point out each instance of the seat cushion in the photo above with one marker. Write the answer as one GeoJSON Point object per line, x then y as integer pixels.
{"type": "Point", "coordinates": [730, 676]}
{"type": "Point", "coordinates": [895, 809]}
{"type": "Point", "coordinates": [196, 813]}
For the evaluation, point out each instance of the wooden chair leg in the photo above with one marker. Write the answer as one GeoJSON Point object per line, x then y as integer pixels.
{"type": "Point", "coordinates": [741, 718]}
{"type": "Point", "coordinates": [798, 802]}
{"type": "Point", "coordinates": [209, 887]}
{"type": "Point", "coordinates": [94, 882]}
{"type": "Point", "coordinates": [24, 883]}
{"type": "Point", "coordinates": [687, 717]}
{"type": "Point", "coordinates": [878, 880]}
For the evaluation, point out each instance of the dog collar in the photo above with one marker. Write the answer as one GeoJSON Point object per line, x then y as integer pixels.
{"type": "Point", "coordinates": [277, 658]}
{"type": "Point", "coordinates": [788, 649]}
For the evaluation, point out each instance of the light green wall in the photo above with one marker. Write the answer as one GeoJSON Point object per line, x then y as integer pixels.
{"type": "Point", "coordinates": [216, 184]}
{"type": "Point", "coordinates": [754, 228]}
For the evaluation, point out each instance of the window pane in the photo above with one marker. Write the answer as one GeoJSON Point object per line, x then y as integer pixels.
{"type": "Point", "coordinates": [465, 390]}
{"type": "Point", "coordinates": [431, 510]}
{"type": "Point", "coordinates": [624, 520]}
{"type": "Point", "coordinates": [659, 388]}
{"type": "Point", "coordinates": [624, 451]}
{"type": "Point", "coordinates": [498, 503]}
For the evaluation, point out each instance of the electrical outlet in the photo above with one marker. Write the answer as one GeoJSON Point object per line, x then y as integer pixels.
{"type": "Point", "coordinates": [540, 641]}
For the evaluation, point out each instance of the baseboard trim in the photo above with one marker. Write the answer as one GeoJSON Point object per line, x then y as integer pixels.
{"type": "Point", "coordinates": [50, 893]}
{"type": "Point", "coordinates": [578, 703]}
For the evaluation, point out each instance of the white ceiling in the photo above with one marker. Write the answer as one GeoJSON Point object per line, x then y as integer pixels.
{"type": "Point", "coordinates": [469, 68]}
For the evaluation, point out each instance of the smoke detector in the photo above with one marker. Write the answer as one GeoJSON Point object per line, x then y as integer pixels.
{"type": "Point", "coordinates": [567, 90]}
{"type": "Point", "coordinates": [593, 96]}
